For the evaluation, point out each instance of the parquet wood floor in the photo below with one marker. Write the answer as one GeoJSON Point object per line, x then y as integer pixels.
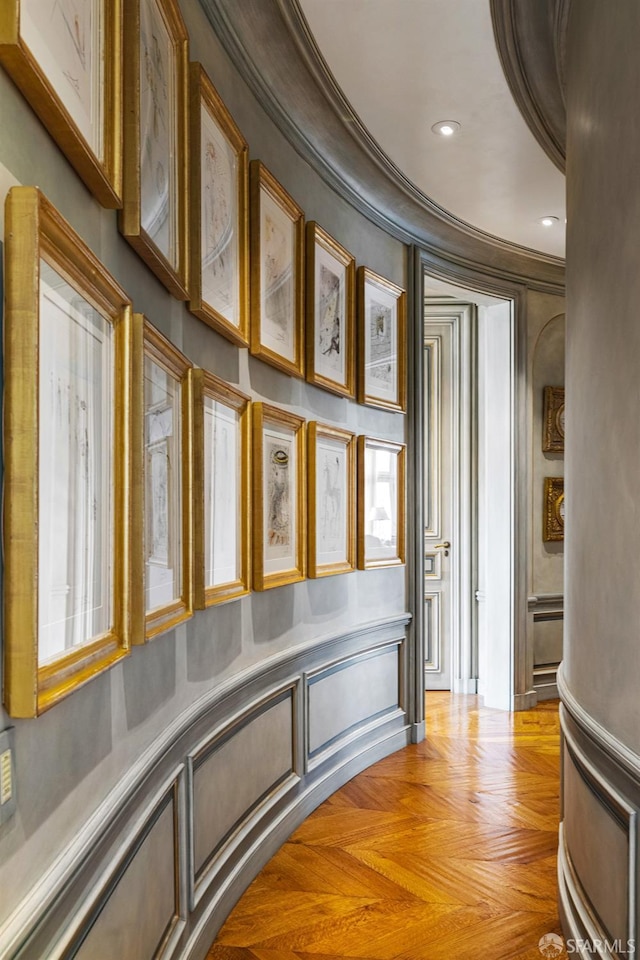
{"type": "Point", "coordinates": [445, 849]}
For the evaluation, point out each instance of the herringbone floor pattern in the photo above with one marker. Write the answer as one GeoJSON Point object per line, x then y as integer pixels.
{"type": "Point", "coordinates": [445, 849]}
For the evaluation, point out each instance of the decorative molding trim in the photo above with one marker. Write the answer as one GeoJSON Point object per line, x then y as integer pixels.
{"type": "Point", "coordinates": [615, 804]}
{"type": "Point", "coordinates": [41, 921]}
{"type": "Point", "coordinates": [292, 83]}
{"type": "Point", "coordinates": [525, 34]}
{"type": "Point", "coordinates": [610, 745]}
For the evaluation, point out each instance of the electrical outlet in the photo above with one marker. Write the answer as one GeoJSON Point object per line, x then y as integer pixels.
{"type": "Point", "coordinates": [7, 776]}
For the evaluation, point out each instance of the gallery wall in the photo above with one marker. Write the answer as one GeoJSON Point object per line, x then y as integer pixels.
{"type": "Point", "coordinates": [219, 673]}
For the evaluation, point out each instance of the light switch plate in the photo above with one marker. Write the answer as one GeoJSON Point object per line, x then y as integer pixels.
{"type": "Point", "coordinates": [7, 775]}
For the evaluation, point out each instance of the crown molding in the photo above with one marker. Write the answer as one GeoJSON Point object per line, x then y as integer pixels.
{"type": "Point", "coordinates": [271, 46]}
{"type": "Point", "coordinates": [529, 36]}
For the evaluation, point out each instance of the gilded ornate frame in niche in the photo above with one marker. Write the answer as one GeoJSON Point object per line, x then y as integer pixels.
{"type": "Point", "coordinates": [176, 449]}
{"type": "Point", "coordinates": [279, 497]}
{"type": "Point", "coordinates": [219, 222]}
{"type": "Point", "coordinates": [155, 210]}
{"type": "Point", "coordinates": [69, 383]}
{"type": "Point", "coordinates": [553, 513]}
{"type": "Point", "coordinates": [332, 500]}
{"type": "Point", "coordinates": [63, 65]}
{"type": "Point", "coordinates": [229, 428]}
{"type": "Point", "coordinates": [553, 420]}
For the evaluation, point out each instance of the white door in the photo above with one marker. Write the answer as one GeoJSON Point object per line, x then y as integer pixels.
{"type": "Point", "coordinates": [448, 536]}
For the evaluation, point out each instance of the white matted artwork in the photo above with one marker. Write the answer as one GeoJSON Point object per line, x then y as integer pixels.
{"type": "Point", "coordinates": [163, 488]}
{"type": "Point", "coordinates": [330, 313]}
{"type": "Point", "coordinates": [168, 484]}
{"type": "Point", "coordinates": [381, 503]}
{"type": "Point", "coordinates": [222, 494]}
{"type": "Point", "coordinates": [75, 577]}
{"type": "Point", "coordinates": [158, 132]}
{"type": "Point", "coordinates": [331, 500]}
{"type": "Point", "coordinates": [279, 497]}
{"type": "Point", "coordinates": [381, 323]}
{"type": "Point", "coordinates": [219, 293]}
{"type": "Point", "coordinates": [277, 273]}
{"type": "Point", "coordinates": [65, 57]}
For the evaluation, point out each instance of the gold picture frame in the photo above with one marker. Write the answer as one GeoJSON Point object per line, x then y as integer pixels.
{"type": "Point", "coordinates": [70, 72]}
{"type": "Point", "coordinates": [71, 412]}
{"type": "Point", "coordinates": [222, 445]}
{"type": "Point", "coordinates": [279, 497]}
{"type": "Point", "coordinates": [553, 513]}
{"type": "Point", "coordinates": [381, 503]}
{"type": "Point", "coordinates": [155, 208]}
{"type": "Point", "coordinates": [382, 342]}
{"type": "Point", "coordinates": [330, 308]}
{"type": "Point", "coordinates": [168, 485]}
{"type": "Point", "coordinates": [553, 420]}
{"type": "Point", "coordinates": [277, 273]}
{"type": "Point", "coordinates": [219, 193]}
{"type": "Point", "coordinates": [332, 500]}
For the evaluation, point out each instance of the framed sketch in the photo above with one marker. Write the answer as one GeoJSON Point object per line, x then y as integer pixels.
{"type": "Point", "coordinates": [332, 500]}
{"type": "Point", "coordinates": [553, 420]}
{"type": "Point", "coordinates": [221, 503]}
{"type": "Point", "coordinates": [381, 342]}
{"type": "Point", "coordinates": [70, 463]}
{"type": "Point", "coordinates": [219, 191]}
{"type": "Point", "coordinates": [168, 486]}
{"type": "Point", "coordinates": [553, 512]}
{"type": "Point", "coordinates": [155, 209]}
{"type": "Point", "coordinates": [279, 497]}
{"type": "Point", "coordinates": [66, 58]}
{"type": "Point", "coordinates": [330, 278]}
{"type": "Point", "coordinates": [381, 503]}
{"type": "Point", "coordinates": [277, 273]}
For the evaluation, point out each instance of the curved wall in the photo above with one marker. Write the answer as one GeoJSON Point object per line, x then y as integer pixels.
{"type": "Point", "coordinates": [149, 798]}
{"type": "Point", "coordinates": [600, 677]}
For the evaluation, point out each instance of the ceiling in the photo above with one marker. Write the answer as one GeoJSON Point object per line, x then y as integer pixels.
{"type": "Point", "coordinates": [406, 64]}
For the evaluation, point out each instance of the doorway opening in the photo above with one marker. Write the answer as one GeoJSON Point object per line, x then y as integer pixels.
{"type": "Point", "coordinates": [470, 450]}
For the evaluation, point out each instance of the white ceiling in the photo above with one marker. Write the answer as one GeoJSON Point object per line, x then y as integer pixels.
{"type": "Point", "coordinates": [407, 64]}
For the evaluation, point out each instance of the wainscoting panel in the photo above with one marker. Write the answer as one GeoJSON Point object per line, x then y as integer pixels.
{"type": "Point", "coordinates": [598, 856]}
{"type": "Point", "coordinates": [155, 871]}
{"type": "Point", "coordinates": [349, 695]}
{"type": "Point", "coordinates": [122, 924]}
{"type": "Point", "coordinates": [255, 753]}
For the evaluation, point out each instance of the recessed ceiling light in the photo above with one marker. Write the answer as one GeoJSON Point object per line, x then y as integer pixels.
{"type": "Point", "coordinates": [446, 128]}
{"type": "Point", "coordinates": [548, 221]}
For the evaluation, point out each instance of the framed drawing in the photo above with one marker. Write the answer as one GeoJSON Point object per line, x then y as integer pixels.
{"type": "Point", "coordinates": [277, 274]}
{"type": "Point", "coordinates": [553, 420]}
{"type": "Point", "coordinates": [168, 486]}
{"type": "Point", "coordinates": [381, 342]}
{"type": "Point", "coordinates": [66, 58]}
{"type": "Point", "coordinates": [156, 105]}
{"type": "Point", "coordinates": [330, 279]}
{"type": "Point", "coordinates": [381, 503]}
{"type": "Point", "coordinates": [553, 513]}
{"type": "Point", "coordinates": [332, 500]}
{"type": "Point", "coordinates": [279, 497]}
{"type": "Point", "coordinates": [219, 277]}
{"type": "Point", "coordinates": [70, 463]}
{"type": "Point", "coordinates": [221, 503]}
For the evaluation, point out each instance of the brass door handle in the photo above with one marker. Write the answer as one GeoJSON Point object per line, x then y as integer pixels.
{"type": "Point", "coordinates": [443, 546]}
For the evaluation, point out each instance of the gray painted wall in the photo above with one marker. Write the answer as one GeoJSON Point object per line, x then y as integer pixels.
{"type": "Point", "coordinates": [69, 759]}
{"type": "Point", "coordinates": [599, 680]}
